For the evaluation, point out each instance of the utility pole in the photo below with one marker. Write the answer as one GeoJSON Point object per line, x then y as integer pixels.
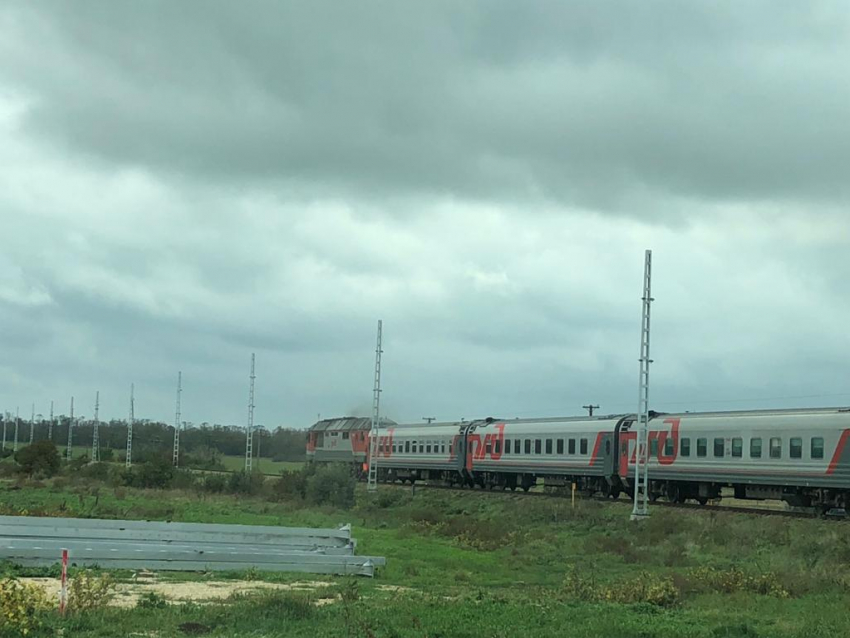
{"type": "Point", "coordinates": [249, 431]}
{"type": "Point", "coordinates": [590, 408]}
{"type": "Point", "coordinates": [5, 421]}
{"type": "Point", "coordinates": [17, 422]}
{"type": "Point", "coordinates": [176, 455]}
{"type": "Point", "coordinates": [128, 461]}
{"type": "Point", "coordinates": [641, 486]}
{"type": "Point", "coordinates": [32, 424]}
{"type": "Point", "coordinates": [372, 483]}
{"type": "Point", "coordinates": [95, 435]}
{"type": "Point", "coordinates": [49, 425]}
{"type": "Point", "coordinates": [69, 453]}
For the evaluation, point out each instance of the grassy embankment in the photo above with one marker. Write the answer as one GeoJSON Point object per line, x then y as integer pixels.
{"type": "Point", "coordinates": [479, 564]}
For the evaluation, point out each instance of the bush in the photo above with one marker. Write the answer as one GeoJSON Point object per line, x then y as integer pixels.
{"type": "Point", "coordinates": [107, 454]}
{"type": "Point", "coordinates": [215, 483]}
{"type": "Point", "coordinates": [151, 600]}
{"type": "Point", "coordinates": [20, 606]}
{"type": "Point", "coordinates": [645, 588]}
{"type": "Point", "coordinates": [87, 592]}
{"type": "Point", "coordinates": [331, 485]}
{"type": "Point", "coordinates": [41, 457]}
{"type": "Point", "coordinates": [96, 471]}
{"type": "Point", "coordinates": [728, 581]}
{"type": "Point", "coordinates": [292, 484]}
{"type": "Point", "coordinates": [243, 482]}
{"type": "Point", "coordinates": [157, 473]}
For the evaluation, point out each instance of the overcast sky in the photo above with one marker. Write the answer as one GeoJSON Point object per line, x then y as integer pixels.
{"type": "Point", "coordinates": [184, 183]}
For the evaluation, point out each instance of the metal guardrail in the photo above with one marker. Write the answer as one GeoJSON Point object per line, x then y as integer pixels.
{"type": "Point", "coordinates": [38, 541]}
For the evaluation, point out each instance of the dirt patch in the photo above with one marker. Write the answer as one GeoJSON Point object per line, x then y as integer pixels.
{"type": "Point", "coordinates": [128, 594]}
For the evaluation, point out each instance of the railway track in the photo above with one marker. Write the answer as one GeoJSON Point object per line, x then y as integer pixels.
{"type": "Point", "coordinates": [710, 507]}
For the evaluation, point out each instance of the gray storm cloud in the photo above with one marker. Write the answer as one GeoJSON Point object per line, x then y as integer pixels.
{"type": "Point", "coordinates": [184, 183]}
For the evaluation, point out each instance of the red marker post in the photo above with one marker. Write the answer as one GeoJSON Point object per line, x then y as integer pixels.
{"type": "Point", "coordinates": [63, 591]}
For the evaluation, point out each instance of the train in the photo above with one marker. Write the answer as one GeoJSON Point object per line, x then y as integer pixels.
{"type": "Point", "coordinates": [799, 456]}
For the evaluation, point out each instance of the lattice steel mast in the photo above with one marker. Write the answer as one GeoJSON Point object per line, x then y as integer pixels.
{"type": "Point", "coordinates": [176, 456]}
{"type": "Point", "coordinates": [69, 453]}
{"type": "Point", "coordinates": [17, 421]}
{"type": "Point", "coordinates": [641, 486]}
{"type": "Point", "coordinates": [32, 424]}
{"type": "Point", "coordinates": [95, 434]}
{"type": "Point", "coordinates": [249, 431]}
{"type": "Point", "coordinates": [374, 433]}
{"type": "Point", "coordinates": [6, 417]}
{"type": "Point", "coordinates": [50, 424]}
{"type": "Point", "coordinates": [128, 460]}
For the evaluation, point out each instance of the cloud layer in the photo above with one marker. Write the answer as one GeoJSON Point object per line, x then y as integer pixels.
{"type": "Point", "coordinates": [183, 184]}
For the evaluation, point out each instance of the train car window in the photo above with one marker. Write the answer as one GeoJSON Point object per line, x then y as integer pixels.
{"type": "Point", "coordinates": [755, 448]}
{"type": "Point", "coordinates": [497, 447]}
{"type": "Point", "coordinates": [737, 447]}
{"type": "Point", "coordinates": [413, 450]}
{"type": "Point", "coordinates": [653, 448]}
{"type": "Point", "coordinates": [702, 447]}
{"type": "Point", "coordinates": [428, 447]}
{"type": "Point", "coordinates": [538, 446]}
{"type": "Point", "coordinates": [516, 446]}
{"type": "Point", "coordinates": [548, 446]}
{"type": "Point", "coordinates": [407, 447]}
{"type": "Point", "coordinates": [817, 447]}
{"type": "Point", "coordinates": [572, 448]}
{"type": "Point", "coordinates": [796, 447]}
{"type": "Point", "coordinates": [583, 446]}
{"type": "Point", "coordinates": [507, 446]}
{"type": "Point", "coordinates": [775, 448]}
{"type": "Point", "coordinates": [345, 435]}
{"type": "Point", "coordinates": [443, 447]}
{"type": "Point", "coordinates": [668, 446]}
{"type": "Point", "coordinates": [719, 448]}
{"type": "Point", "coordinates": [560, 446]}
{"type": "Point", "coordinates": [685, 447]}
{"type": "Point", "coordinates": [488, 447]}
{"type": "Point", "coordinates": [528, 446]}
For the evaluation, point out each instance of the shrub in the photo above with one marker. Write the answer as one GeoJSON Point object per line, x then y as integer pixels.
{"type": "Point", "coordinates": [96, 471]}
{"type": "Point", "coordinates": [41, 456]}
{"type": "Point", "coordinates": [151, 600]}
{"type": "Point", "coordinates": [243, 482]}
{"type": "Point", "coordinates": [107, 454]}
{"type": "Point", "coordinates": [645, 588]}
{"type": "Point", "coordinates": [20, 607]}
{"type": "Point", "coordinates": [87, 592]}
{"type": "Point", "coordinates": [157, 473]}
{"type": "Point", "coordinates": [215, 483]}
{"type": "Point", "coordinates": [728, 581]}
{"type": "Point", "coordinates": [331, 485]}
{"type": "Point", "coordinates": [292, 485]}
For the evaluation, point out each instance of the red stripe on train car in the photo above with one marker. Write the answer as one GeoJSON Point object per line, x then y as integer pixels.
{"type": "Point", "coordinates": [838, 450]}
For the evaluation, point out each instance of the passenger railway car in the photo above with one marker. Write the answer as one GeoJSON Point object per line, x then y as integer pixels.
{"type": "Point", "coordinates": [799, 456]}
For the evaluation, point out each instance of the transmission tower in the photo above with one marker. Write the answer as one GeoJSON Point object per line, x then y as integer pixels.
{"type": "Point", "coordinates": [17, 422]}
{"type": "Point", "coordinates": [374, 434]}
{"type": "Point", "coordinates": [128, 461]}
{"type": "Point", "coordinates": [5, 421]}
{"type": "Point", "coordinates": [95, 436]}
{"type": "Point", "coordinates": [641, 486]}
{"type": "Point", "coordinates": [32, 424]}
{"type": "Point", "coordinates": [176, 456]}
{"type": "Point", "coordinates": [249, 431]}
{"type": "Point", "coordinates": [50, 424]}
{"type": "Point", "coordinates": [69, 453]}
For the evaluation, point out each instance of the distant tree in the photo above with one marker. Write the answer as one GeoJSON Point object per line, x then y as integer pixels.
{"type": "Point", "coordinates": [41, 456]}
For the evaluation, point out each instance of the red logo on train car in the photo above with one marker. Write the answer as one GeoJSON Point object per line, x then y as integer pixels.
{"type": "Point", "coordinates": [478, 449]}
{"type": "Point", "coordinates": [628, 453]}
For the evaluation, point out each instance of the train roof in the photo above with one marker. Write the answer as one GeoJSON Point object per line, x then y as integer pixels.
{"type": "Point", "coordinates": [347, 423]}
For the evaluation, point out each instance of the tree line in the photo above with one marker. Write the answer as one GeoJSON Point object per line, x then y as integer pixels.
{"type": "Point", "coordinates": [280, 444]}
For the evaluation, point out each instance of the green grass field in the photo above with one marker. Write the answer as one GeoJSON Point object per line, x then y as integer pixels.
{"type": "Point", "coordinates": [466, 564]}
{"type": "Point", "coordinates": [266, 466]}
